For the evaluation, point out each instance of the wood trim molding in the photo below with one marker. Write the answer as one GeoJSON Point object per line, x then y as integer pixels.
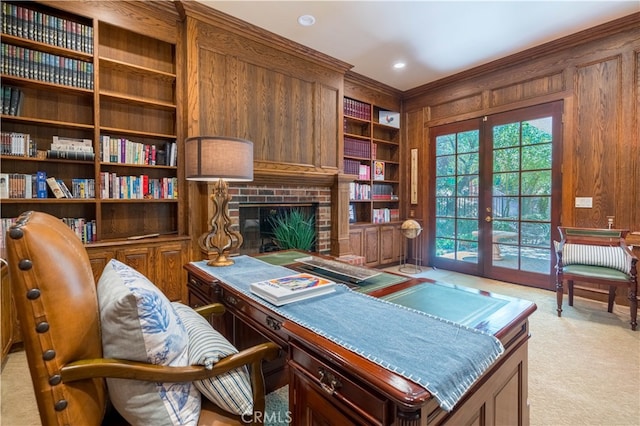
{"type": "Point", "coordinates": [220, 19]}
{"type": "Point", "coordinates": [629, 22]}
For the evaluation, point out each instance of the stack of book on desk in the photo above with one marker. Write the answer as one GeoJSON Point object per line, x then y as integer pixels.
{"type": "Point", "coordinates": [292, 288]}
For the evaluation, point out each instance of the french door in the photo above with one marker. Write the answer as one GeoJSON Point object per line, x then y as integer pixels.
{"type": "Point", "coordinates": [496, 195]}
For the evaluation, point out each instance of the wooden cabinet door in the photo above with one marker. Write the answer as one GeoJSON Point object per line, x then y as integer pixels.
{"type": "Point", "coordinates": [372, 246]}
{"type": "Point", "coordinates": [356, 241]}
{"type": "Point", "coordinates": [99, 259]}
{"type": "Point", "coordinates": [389, 246]}
{"type": "Point", "coordinates": [139, 258]}
{"type": "Point", "coordinates": [170, 277]}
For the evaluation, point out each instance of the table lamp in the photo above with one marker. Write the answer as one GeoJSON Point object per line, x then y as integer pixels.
{"type": "Point", "coordinates": [219, 160]}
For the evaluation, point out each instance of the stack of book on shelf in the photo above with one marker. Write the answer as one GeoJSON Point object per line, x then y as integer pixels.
{"type": "Point", "coordinates": [292, 288]}
{"type": "Point", "coordinates": [84, 229]}
{"type": "Point", "coordinates": [12, 100]}
{"type": "Point", "coordinates": [357, 148]}
{"type": "Point", "coordinates": [71, 149]}
{"type": "Point", "coordinates": [17, 144]}
{"type": "Point", "coordinates": [385, 215]}
{"type": "Point", "coordinates": [359, 191]}
{"type": "Point", "coordinates": [124, 151]}
{"type": "Point", "coordinates": [38, 185]}
{"type": "Point", "coordinates": [24, 22]}
{"type": "Point", "coordinates": [364, 172]}
{"type": "Point", "coordinates": [356, 109]}
{"type": "Point", "coordinates": [351, 167]}
{"type": "Point", "coordinates": [140, 187]}
{"type": "Point", "coordinates": [383, 192]}
{"type": "Point", "coordinates": [46, 67]}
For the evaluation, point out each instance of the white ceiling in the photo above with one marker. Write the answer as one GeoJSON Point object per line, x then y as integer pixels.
{"type": "Point", "coordinates": [434, 38]}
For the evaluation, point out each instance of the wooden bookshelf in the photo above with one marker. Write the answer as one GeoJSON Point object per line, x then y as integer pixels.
{"type": "Point", "coordinates": [132, 94]}
{"type": "Point", "coordinates": [372, 156]}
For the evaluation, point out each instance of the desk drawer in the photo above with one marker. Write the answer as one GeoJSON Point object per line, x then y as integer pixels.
{"type": "Point", "coordinates": [268, 324]}
{"type": "Point", "coordinates": [357, 400]}
{"type": "Point", "coordinates": [204, 290]}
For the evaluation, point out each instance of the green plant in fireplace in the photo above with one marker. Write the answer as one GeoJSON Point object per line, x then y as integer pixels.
{"type": "Point", "coordinates": [294, 229]}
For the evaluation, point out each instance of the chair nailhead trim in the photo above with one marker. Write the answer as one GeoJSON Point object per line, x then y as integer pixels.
{"type": "Point", "coordinates": [25, 264]}
{"type": "Point", "coordinates": [16, 233]}
{"type": "Point", "coordinates": [42, 327]}
{"type": "Point", "coordinates": [48, 355]}
{"type": "Point", "coordinates": [61, 405]}
{"type": "Point", "coordinates": [33, 294]}
{"type": "Point", "coordinates": [55, 379]}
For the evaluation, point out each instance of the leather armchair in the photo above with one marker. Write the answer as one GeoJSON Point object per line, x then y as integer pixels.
{"type": "Point", "coordinates": [57, 306]}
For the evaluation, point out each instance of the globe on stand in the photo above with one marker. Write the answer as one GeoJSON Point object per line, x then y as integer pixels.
{"type": "Point", "coordinates": [411, 229]}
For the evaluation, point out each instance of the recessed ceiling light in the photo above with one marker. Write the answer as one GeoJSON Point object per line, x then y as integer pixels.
{"type": "Point", "coordinates": [306, 20]}
{"type": "Point", "coordinates": [399, 65]}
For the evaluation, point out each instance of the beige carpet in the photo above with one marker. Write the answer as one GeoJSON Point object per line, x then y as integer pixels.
{"type": "Point", "coordinates": [584, 368]}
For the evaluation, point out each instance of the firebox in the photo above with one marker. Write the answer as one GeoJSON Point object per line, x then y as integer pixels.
{"type": "Point", "coordinates": [256, 224]}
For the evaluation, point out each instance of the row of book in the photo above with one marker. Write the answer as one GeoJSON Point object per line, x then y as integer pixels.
{"type": "Point", "coordinates": [113, 150]}
{"type": "Point", "coordinates": [39, 185]}
{"type": "Point", "coordinates": [85, 229]}
{"type": "Point", "coordinates": [385, 215]}
{"type": "Point", "coordinates": [20, 21]}
{"type": "Point", "coordinates": [17, 144]}
{"type": "Point", "coordinates": [359, 191]}
{"type": "Point", "coordinates": [12, 100]}
{"type": "Point", "coordinates": [124, 151]}
{"type": "Point", "coordinates": [140, 187]}
{"type": "Point", "coordinates": [71, 149]}
{"type": "Point", "coordinates": [357, 109]}
{"type": "Point", "coordinates": [357, 148]}
{"type": "Point", "coordinates": [380, 192]}
{"type": "Point", "coordinates": [351, 167]}
{"type": "Point", "coordinates": [22, 62]}
{"type": "Point", "coordinates": [364, 171]}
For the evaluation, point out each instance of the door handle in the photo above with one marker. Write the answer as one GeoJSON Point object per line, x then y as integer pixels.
{"type": "Point", "coordinates": [487, 219]}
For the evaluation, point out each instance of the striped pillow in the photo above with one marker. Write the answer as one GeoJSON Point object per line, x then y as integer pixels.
{"type": "Point", "coordinates": [231, 391]}
{"type": "Point", "coordinates": [607, 257]}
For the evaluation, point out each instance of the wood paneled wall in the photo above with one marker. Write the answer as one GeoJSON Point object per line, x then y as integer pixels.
{"type": "Point", "coordinates": [244, 82]}
{"type": "Point", "coordinates": [597, 75]}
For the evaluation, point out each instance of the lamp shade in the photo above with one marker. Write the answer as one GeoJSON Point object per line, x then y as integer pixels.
{"type": "Point", "coordinates": [211, 158]}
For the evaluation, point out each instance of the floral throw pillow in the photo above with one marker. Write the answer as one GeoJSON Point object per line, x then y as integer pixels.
{"type": "Point", "coordinates": [139, 323]}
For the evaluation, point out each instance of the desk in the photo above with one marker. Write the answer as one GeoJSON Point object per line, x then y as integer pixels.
{"type": "Point", "coordinates": [332, 385]}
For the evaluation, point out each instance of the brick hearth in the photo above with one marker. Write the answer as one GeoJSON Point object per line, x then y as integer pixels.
{"type": "Point", "coordinates": [272, 194]}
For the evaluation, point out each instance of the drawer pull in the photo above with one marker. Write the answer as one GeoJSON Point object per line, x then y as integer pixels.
{"type": "Point", "coordinates": [328, 381]}
{"type": "Point", "coordinates": [273, 323]}
{"type": "Point", "coordinates": [231, 300]}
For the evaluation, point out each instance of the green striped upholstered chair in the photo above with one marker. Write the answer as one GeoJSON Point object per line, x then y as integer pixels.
{"type": "Point", "coordinates": [598, 256]}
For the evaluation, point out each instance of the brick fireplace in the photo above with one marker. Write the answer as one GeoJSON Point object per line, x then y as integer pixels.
{"type": "Point", "coordinates": [252, 197]}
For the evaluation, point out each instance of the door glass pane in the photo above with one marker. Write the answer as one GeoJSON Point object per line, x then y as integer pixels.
{"type": "Point", "coordinates": [506, 135]}
{"type": "Point", "coordinates": [457, 166]}
{"type": "Point", "coordinates": [521, 227]}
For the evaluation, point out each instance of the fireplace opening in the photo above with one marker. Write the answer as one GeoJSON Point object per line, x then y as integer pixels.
{"type": "Point", "coordinates": [257, 228]}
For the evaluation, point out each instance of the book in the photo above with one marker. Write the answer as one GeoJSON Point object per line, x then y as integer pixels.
{"type": "Point", "coordinates": [292, 288]}
{"type": "Point", "coordinates": [55, 187]}
{"type": "Point", "coordinates": [4, 185]}
{"type": "Point", "coordinates": [378, 170]}
{"type": "Point", "coordinates": [41, 184]}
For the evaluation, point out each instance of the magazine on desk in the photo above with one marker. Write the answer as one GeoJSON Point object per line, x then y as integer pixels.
{"type": "Point", "coordinates": [292, 288]}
